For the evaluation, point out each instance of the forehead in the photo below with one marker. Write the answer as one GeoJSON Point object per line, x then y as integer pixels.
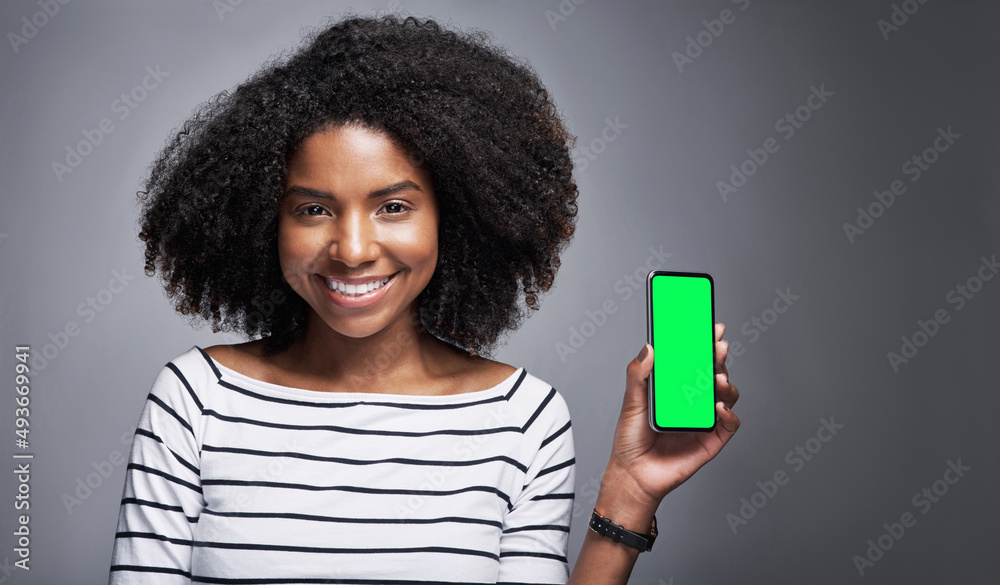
{"type": "Point", "coordinates": [347, 165]}
{"type": "Point", "coordinates": [353, 155]}
{"type": "Point", "coordinates": [344, 147]}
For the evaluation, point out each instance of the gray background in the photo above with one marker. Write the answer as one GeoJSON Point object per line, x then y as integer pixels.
{"type": "Point", "coordinates": [654, 185]}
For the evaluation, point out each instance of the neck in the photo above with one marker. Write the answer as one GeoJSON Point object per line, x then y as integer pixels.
{"type": "Point", "coordinates": [403, 351]}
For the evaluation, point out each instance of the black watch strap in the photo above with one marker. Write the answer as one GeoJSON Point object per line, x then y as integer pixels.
{"type": "Point", "coordinates": [605, 527]}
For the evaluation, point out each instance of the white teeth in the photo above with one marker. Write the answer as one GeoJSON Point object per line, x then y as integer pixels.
{"type": "Point", "coordinates": [355, 289]}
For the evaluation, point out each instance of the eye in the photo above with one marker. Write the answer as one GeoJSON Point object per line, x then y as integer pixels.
{"type": "Point", "coordinates": [313, 210]}
{"type": "Point", "coordinates": [395, 208]}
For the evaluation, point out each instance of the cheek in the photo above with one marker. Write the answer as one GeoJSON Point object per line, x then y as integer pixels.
{"type": "Point", "coordinates": [429, 236]}
{"type": "Point", "coordinates": [295, 254]}
{"type": "Point", "coordinates": [415, 244]}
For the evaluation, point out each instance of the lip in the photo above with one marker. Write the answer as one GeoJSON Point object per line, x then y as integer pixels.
{"type": "Point", "coordinates": [357, 302]}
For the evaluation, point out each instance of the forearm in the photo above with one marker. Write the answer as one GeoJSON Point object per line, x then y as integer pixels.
{"type": "Point", "coordinates": [602, 561]}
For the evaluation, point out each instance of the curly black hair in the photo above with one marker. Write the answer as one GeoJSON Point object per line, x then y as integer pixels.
{"type": "Point", "coordinates": [481, 120]}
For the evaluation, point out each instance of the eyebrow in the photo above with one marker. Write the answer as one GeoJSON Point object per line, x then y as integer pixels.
{"type": "Point", "coordinates": [394, 188]}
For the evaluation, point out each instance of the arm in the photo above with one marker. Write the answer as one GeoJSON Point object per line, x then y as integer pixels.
{"type": "Point", "coordinates": [645, 466]}
{"type": "Point", "coordinates": [535, 535]}
{"type": "Point", "coordinates": [162, 499]}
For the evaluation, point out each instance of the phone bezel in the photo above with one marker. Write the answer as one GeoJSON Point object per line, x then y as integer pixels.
{"type": "Point", "coordinates": [649, 338]}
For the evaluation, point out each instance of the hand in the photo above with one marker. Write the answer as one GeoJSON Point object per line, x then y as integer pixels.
{"type": "Point", "coordinates": [648, 464]}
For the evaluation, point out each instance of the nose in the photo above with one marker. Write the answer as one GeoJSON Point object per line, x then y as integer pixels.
{"type": "Point", "coordinates": [354, 241]}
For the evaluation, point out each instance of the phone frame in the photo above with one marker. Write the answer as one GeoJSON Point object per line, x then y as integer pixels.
{"type": "Point", "coordinates": [649, 338]}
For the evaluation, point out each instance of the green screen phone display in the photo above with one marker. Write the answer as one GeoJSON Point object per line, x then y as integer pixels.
{"type": "Point", "coordinates": [681, 323]}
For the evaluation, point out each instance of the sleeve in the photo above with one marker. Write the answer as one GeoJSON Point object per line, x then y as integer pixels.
{"type": "Point", "coordinates": [162, 499]}
{"type": "Point", "coordinates": [535, 537]}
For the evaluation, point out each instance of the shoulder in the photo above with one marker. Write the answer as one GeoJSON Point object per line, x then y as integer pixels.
{"type": "Point", "coordinates": [547, 442]}
{"type": "Point", "coordinates": [246, 358]}
{"type": "Point", "coordinates": [483, 374]}
{"type": "Point", "coordinates": [176, 400]}
{"type": "Point", "coordinates": [457, 372]}
{"type": "Point", "coordinates": [542, 409]}
{"type": "Point", "coordinates": [184, 380]}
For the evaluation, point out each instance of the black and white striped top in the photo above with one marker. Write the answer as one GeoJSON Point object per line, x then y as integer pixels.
{"type": "Point", "coordinates": [236, 480]}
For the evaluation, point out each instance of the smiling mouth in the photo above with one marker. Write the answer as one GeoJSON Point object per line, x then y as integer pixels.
{"type": "Point", "coordinates": [356, 290]}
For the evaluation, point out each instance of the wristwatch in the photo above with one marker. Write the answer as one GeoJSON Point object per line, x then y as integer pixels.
{"type": "Point", "coordinates": [605, 527]}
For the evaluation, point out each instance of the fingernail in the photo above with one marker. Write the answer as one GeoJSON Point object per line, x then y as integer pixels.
{"type": "Point", "coordinates": [643, 352]}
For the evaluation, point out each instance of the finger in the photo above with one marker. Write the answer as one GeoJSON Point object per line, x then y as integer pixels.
{"type": "Point", "coordinates": [721, 349]}
{"type": "Point", "coordinates": [721, 352]}
{"type": "Point", "coordinates": [636, 379]}
{"type": "Point", "coordinates": [725, 391]}
{"type": "Point", "coordinates": [728, 422]}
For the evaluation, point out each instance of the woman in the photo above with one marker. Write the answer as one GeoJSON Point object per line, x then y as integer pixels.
{"type": "Point", "coordinates": [372, 209]}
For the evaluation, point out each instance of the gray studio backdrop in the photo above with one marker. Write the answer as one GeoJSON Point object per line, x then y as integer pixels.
{"type": "Point", "coordinates": [832, 164]}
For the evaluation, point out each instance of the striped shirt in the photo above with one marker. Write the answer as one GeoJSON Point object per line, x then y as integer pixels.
{"type": "Point", "coordinates": [236, 480]}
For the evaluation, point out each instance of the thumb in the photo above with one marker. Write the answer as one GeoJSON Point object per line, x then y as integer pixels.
{"type": "Point", "coordinates": [636, 380]}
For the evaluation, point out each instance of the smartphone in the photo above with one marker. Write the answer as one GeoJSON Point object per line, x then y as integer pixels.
{"type": "Point", "coordinates": [680, 317]}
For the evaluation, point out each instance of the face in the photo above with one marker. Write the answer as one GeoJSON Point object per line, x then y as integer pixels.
{"type": "Point", "coordinates": [357, 230]}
